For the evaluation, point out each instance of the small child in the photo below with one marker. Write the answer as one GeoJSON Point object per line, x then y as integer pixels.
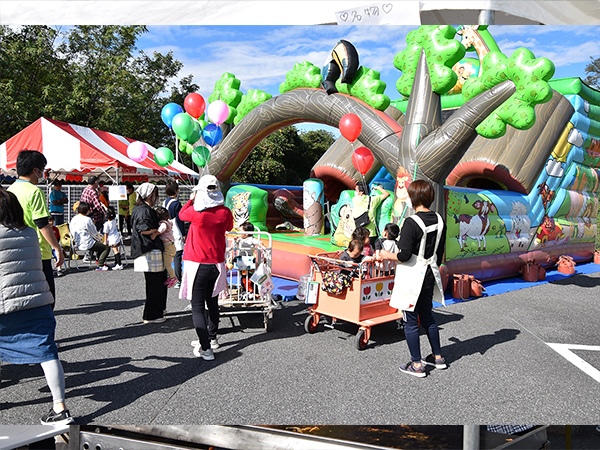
{"type": "Point", "coordinates": [59, 271]}
{"type": "Point", "coordinates": [246, 243]}
{"type": "Point", "coordinates": [362, 234]}
{"type": "Point", "coordinates": [112, 237]}
{"type": "Point", "coordinates": [387, 241]}
{"type": "Point", "coordinates": [355, 254]}
{"type": "Point", "coordinates": [165, 231]}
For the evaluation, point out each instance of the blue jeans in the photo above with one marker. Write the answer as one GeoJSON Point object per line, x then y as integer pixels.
{"type": "Point", "coordinates": [202, 300]}
{"type": "Point", "coordinates": [424, 313]}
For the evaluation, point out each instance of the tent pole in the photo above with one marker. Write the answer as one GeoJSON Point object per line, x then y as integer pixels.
{"type": "Point", "coordinates": [471, 437]}
{"type": "Point", "coordinates": [486, 17]}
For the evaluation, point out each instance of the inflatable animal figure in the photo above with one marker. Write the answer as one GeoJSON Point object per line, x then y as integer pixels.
{"type": "Point", "coordinates": [477, 226]}
{"type": "Point", "coordinates": [401, 197]}
{"type": "Point", "coordinates": [546, 194]}
{"type": "Point", "coordinates": [241, 207]}
{"type": "Point", "coordinates": [520, 225]}
{"type": "Point", "coordinates": [343, 60]}
{"type": "Point", "coordinates": [313, 213]}
{"type": "Point", "coordinates": [343, 233]}
{"type": "Point", "coordinates": [549, 230]}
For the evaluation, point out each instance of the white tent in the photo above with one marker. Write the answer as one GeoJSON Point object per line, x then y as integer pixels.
{"type": "Point", "coordinates": [293, 12]}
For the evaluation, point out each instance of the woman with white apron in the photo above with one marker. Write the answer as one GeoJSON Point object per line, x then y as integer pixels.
{"type": "Point", "coordinates": [417, 282]}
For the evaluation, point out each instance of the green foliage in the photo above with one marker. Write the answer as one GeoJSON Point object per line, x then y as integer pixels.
{"type": "Point", "coordinates": [285, 157]}
{"type": "Point", "coordinates": [593, 71]}
{"type": "Point", "coordinates": [530, 76]}
{"type": "Point", "coordinates": [227, 90]}
{"type": "Point", "coordinates": [33, 79]}
{"type": "Point", "coordinates": [368, 87]}
{"type": "Point", "coordinates": [251, 100]}
{"type": "Point", "coordinates": [442, 52]}
{"type": "Point", "coordinates": [304, 74]}
{"type": "Point", "coordinates": [96, 77]}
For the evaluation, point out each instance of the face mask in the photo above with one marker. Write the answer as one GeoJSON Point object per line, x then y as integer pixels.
{"type": "Point", "coordinates": [42, 177]}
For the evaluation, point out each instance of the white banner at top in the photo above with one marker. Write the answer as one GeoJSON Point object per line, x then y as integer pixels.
{"type": "Point", "coordinates": [381, 13]}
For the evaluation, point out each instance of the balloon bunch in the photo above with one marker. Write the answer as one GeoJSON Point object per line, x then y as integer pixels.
{"type": "Point", "coordinates": [189, 127]}
{"type": "Point", "coordinates": [362, 158]}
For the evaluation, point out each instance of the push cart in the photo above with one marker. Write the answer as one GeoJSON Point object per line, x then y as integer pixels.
{"type": "Point", "coordinates": [365, 302]}
{"type": "Point", "coordinates": [249, 282]}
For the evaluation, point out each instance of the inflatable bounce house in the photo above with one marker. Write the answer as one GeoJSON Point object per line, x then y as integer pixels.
{"type": "Point", "coordinates": [512, 153]}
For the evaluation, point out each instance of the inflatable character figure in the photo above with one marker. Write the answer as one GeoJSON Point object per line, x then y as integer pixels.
{"type": "Point", "coordinates": [343, 60]}
{"type": "Point", "coordinates": [343, 233]}
{"type": "Point", "coordinates": [241, 208]}
{"type": "Point", "coordinates": [401, 200]}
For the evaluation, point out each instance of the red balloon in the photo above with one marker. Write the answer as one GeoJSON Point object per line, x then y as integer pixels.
{"type": "Point", "coordinates": [194, 105]}
{"type": "Point", "coordinates": [350, 126]}
{"type": "Point", "coordinates": [363, 159]}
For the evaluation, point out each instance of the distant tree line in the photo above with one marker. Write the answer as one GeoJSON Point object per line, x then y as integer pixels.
{"type": "Point", "coordinates": [96, 76]}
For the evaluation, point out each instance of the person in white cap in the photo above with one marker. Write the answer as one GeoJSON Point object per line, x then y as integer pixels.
{"type": "Point", "coordinates": [204, 272]}
{"type": "Point", "coordinates": [146, 252]}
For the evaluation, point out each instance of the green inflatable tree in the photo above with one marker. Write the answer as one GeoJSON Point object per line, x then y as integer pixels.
{"type": "Point", "coordinates": [442, 52]}
{"type": "Point", "coordinates": [368, 87]}
{"type": "Point", "coordinates": [304, 74]}
{"type": "Point", "coordinates": [251, 100]}
{"type": "Point", "coordinates": [530, 76]}
{"type": "Point", "coordinates": [227, 90]}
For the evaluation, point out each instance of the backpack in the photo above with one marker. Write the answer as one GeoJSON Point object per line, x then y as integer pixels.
{"type": "Point", "coordinates": [176, 231]}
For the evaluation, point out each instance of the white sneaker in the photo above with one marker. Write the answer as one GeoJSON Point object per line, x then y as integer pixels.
{"type": "Point", "coordinates": [214, 344]}
{"type": "Point", "coordinates": [207, 355]}
{"type": "Point", "coordinates": [117, 267]}
{"type": "Point", "coordinates": [159, 320]}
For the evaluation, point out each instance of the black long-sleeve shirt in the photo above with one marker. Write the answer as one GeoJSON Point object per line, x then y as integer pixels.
{"type": "Point", "coordinates": [410, 238]}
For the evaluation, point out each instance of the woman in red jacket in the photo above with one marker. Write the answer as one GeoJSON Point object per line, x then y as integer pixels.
{"type": "Point", "coordinates": [204, 272]}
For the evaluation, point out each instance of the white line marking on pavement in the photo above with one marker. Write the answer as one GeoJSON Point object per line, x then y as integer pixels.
{"type": "Point", "coordinates": [565, 351]}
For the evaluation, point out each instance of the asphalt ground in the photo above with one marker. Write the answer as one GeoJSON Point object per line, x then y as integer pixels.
{"type": "Point", "coordinates": [501, 368]}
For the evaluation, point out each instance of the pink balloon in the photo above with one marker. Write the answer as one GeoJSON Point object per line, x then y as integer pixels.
{"type": "Point", "coordinates": [217, 112]}
{"type": "Point", "coordinates": [137, 151]}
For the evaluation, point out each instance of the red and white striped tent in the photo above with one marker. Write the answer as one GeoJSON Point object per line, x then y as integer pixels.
{"type": "Point", "coordinates": [78, 152]}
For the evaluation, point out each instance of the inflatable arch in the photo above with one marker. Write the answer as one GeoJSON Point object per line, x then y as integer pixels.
{"type": "Point", "coordinates": [381, 133]}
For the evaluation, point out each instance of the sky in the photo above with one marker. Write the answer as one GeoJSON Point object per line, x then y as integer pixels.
{"type": "Point", "coordinates": [260, 56]}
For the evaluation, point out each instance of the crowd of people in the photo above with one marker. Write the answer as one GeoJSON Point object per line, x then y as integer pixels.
{"type": "Point", "coordinates": [159, 246]}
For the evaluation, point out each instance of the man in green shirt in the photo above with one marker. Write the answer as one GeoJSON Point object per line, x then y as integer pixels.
{"type": "Point", "coordinates": [30, 169]}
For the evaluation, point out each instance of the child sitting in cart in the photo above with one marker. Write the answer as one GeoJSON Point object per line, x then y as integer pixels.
{"type": "Point", "coordinates": [354, 253]}
{"type": "Point", "coordinates": [245, 260]}
{"type": "Point", "coordinates": [387, 241]}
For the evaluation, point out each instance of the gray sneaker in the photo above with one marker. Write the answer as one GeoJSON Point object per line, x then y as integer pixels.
{"type": "Point", "coordinates": [410, 369]}
{"type": "Point", "coordinates": [207, 355]}
{"type": "Point", "coordinates": [438, 363]}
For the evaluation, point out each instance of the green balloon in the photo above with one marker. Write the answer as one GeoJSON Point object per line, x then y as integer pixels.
{"type": "Point", "coordinates": [201, 156]}
{"type": "Point", "coordinates": [203, 124]}
{"type": "Point", "coordinates": [183, 126]}
{"type": "Point", "coordinates": [163, 157]}
{"type": "Point", "coordinates": [196, 133]}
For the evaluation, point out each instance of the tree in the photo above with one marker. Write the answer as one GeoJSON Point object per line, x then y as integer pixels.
{"type": "Point", "coordinates": [284, 157]}
{"type": "Point", "coordinates": [33, 78]}
{"type": "Point", "coordinates": [593, 71]}
{"type": "Point", "coordinates": [96, 77]}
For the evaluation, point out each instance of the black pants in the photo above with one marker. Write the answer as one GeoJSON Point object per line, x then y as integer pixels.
{"type": "Point", "coordinates": [47, 269]}
{"type": "Point", "coordinates": [156, 295]}
{"type": "Point", "coordinates": [202, 299]}
{"type": "Point", "coordinates": [177, 264]}
{"type": "Point", "coordinates": [127, 221]}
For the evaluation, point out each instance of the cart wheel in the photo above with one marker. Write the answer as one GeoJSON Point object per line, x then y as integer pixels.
{"type": "Point", "coordinates": [268, 323]}
{"type": "Point", "coordinates": [311, 323]}
{"type": "Point", "coordinates": [360, 340]}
